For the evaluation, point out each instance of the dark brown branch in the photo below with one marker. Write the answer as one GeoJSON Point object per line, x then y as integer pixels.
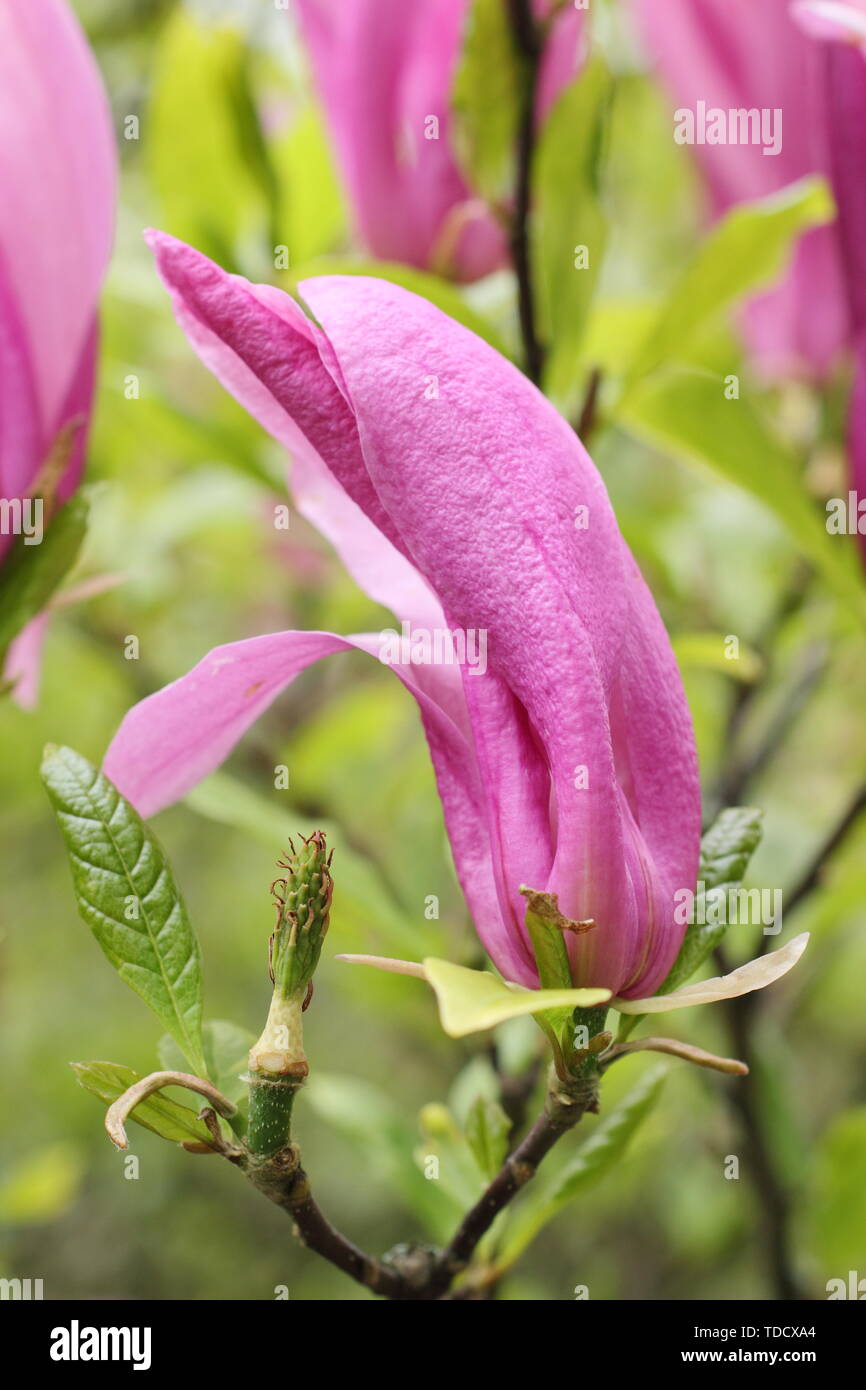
{"type": "Point", "coordinates": [815, 871]}
{"type": "Point", "coordinates": [414, 1273]}
{"type": "Point", "coordinates": [529, 44]}
{"type": "Point", "coordinates": [284, 1182]}
{"type": "Point", "coordinates": [741, 772]}
{"type": "Point", "coordinates": [560, 1115]}
{"type": "Point", "coordinates": [773, 1195]}
{"type": "Point", "coordinates": [589, 410]}
{"type": "Point", "coordinates": [733, 782]}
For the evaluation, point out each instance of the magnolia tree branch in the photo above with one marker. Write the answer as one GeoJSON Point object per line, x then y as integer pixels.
{"type": "Point", "coordinates": [529, 42]}
{"type": "Point", "coordinates": [412, 1273]}
{"type": "Point", "coordinates": [814, 873]}
{"type": "Point", "coordinates": [560, 1115]}
{"type": "Point", "coordinates": [283, 1181]}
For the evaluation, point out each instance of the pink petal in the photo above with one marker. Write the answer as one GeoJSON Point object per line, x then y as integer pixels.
{"type": "Point", "coordinates": [384, 69]}
{"type": "Point", "coordinates": [485, 482]}
{"type": "Point", "coordinates": [733, 54]}
{"type": "Point", "coordinates": [263, 349]}
{"type": "Point", "coordinates": [844, 20]}
{"type": "Point", "coordinates": [57, 169]}
{"type": "Point", "coordinates": [23, 662]}
{"type": "Point", "coordinates": [477, 483]}
{"type": "Point", "coordinates": [857, 431]}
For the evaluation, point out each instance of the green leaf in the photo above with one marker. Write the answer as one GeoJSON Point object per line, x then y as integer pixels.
{"type": "Point", "coordinates": [32, 573]}
{"type": "Point", "coordinates": [472, 1000]}
{"type": "Point", "coordinates": [457, 1171]}
{"type": "Point", "coordinates": [707, 651]}
{"type": "Point", "coordinates": [836, 1211]}
{"type": "Point", "coordinates": [313, 213]}
{"type": "Point", "coordinates": [421, 282]}
{"type": "Point", "coordinates": [549, 948]}
{"type": "Point", "coordinates": [378, 1130]}
{"type": "Point", "coordinates": [485, 101]}
{"type": "Point", "coordinates": [596, 1157]}
{"type": "Point", "coordinates": [726, 849]}
{"type": "Point", "coordinates": [746, 249]}
{"type": "Point", "coordinates": [567, 218]}
{"type": "Point", "coordinates": [127, 895]}
{"type": "Point", "coordinates": [206, 155]}
{"type": "Point", "coordinates": [226, 1048]}
{"type": "Point", "coordinates": [487, 1130]}
{"type": "Point", "coordinates": [41, 1186]}
{"type": "Point", "coordinates": [687, 414]}
{"type": "Point", "coordinates": [167, 1118]}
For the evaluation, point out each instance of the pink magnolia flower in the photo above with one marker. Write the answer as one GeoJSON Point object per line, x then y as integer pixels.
{"type": "Point", "coordinates": [752, 54]}
{"type": "Point", "coordinates": [843, 62]}
{"type": "Point", "coordinates": [383, 69]}
{"type": "Point", "coordinates": [57, 171]}
{"type": "Point", "coordinates": [458, 497]}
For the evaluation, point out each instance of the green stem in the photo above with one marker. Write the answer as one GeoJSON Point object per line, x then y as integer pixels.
{"type": "Point", "coordinates": [270, 1119]}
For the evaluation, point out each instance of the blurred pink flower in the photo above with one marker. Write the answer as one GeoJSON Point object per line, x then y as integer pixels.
{"type": "Point", "coordinates": [458, 497]}
{"type": "Point", "coordinates": [383, 69]}
{"type": "Point", "coordinates": [752, 54]}
{"type": "Point", "coordinates": [57, 171]}
{"type": "Point", "coordinates": [843, 60]}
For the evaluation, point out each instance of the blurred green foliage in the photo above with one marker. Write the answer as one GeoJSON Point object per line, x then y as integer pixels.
{"type": "Point", "coordinates": [230, 153]}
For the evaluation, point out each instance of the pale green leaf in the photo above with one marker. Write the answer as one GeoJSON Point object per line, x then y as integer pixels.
{"type": "Point", "coordinates": [379, 1131]}
{"type": "Point", "coordinates": [485, 101]}
{"type": "Point", "coordinates": [836, 1206]}
{"type": "Point", "coordinates": [756, 974]}
{"type": "Point", "coordinates": [472, 1000]}
{"type": "Point", "coordinates": [41, 1186]}
{"type": "Point", "coordinates": [126, 894]}
{"type": "Point", "coordinates": [207, 159]}
{"type": "Point", "coordinates": [570, 227]}
{"type": "Point", "coordinates": [487, 1129]}
{"type": "Point", "coordinates": [165, 1117]}
{"type": "Point", "coordinates": [687, 414]}
{"type": "Point", "coordinates": [707, 651]}
{"type": "Point", "coordinates": [748, 248]}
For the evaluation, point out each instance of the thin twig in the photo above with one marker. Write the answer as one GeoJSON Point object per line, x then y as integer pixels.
{"type": "Point", "coordinates": [741, 1015]}
{"type": "Point", "coordinates": [528, 40]}
{"type": "Point", "coordinates": [742, 772]}
{"type": "Point", "coordinates": [732, 783]}
{"type": "Point", "coordinates": [773, 1195]}
{"type": "Point", "coordinates": [557, 1119]}
{"type": "Point", "coordinates": [589, 410]}
{"type": "Point", "coordinates": [412, 1273]}
{"type": "Point", "coordinates": [815, 871]}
